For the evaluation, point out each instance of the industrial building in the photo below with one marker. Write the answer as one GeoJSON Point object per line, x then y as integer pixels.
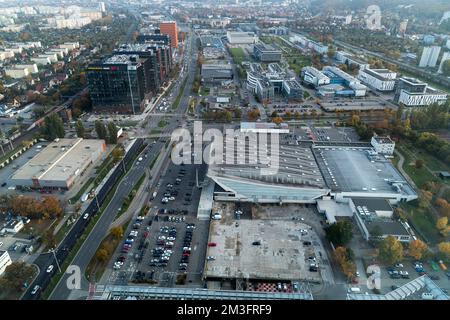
{"type": "Point", "coordinates": [170, 28]}
{"type": "Point", "coordinates": [378, 79]}
{"type": "Point", "coordinates": [60, 164]}
{"type": "Point", "coordinates": [117, 84]}
{"type": "Point", "coordinates": [412, 92]}
{"type": "Point", "coordinates": [216, 72]}
{"type": "Point", "coordinates": [235, 37]}
{"type": "Point", "coordinates": [266, 53]}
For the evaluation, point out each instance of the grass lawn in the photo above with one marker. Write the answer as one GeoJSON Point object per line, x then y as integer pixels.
{"type": "Point", "coordinates": [162, 123]}
{"type": "Point", "coordinates": [96, 267]}
{"type": "Point", "coordinates": [419, 176]}
{"type": "Point", "coordinates": [238, 55]}
{"type": "Point", "coordinates": [425, 223]}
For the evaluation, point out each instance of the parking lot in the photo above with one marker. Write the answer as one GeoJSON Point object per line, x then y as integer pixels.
{"type": "Point", "coordinates": [170, 241]}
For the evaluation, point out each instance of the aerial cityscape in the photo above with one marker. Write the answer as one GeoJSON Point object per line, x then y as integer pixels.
{"type": "Point", "coordinates": [225, 150]}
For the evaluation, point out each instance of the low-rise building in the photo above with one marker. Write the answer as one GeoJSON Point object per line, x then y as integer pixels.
{"type": "Point", "coordinates": [383, 145]}
{"type": "Point", "coordinates": [5, 260]}
{"type": "Point", "coordinates": [266, 53]}
{"type": "Point", "coordinates": [60, 164]}
{"type": "Point", "coordinates": [13, 226]}
{"type": "Point", "coordinates": [216, 72]}
{"type": "Point", "coordinates": [44, 60]}
{"type": "Point", "coordinates": [235, 37]}
{"type": "Point", "coordinates": [378, 79]}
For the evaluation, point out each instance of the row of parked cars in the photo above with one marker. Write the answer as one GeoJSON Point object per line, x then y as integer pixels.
{"type": "Point", "coordinates": [163, 250]}
{"type": "Point", "coordinates": [186, 251]}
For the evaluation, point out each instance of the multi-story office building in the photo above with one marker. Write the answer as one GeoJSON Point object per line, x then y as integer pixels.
{"type": "Point", "coordinates": [150, 63]}
{"type": "Point", "coordinates": [414, 93]}
{"type": "Point", "coordinates": [117, 84]}
{"type": "Point", "coordinates": [292, 89]}
{"type": "Point", "coordinates": [378, 79]}
{"type": "Point", "coordinates": [154, 37]}
{"type": "Point", "coordinates": [170, 28]}
{"type": "Point", "coordinates": [430, 56]}
{"type": "Point", "coordinates": [266, 53]}
{"type": "Point", "coordinates": [314, 77]}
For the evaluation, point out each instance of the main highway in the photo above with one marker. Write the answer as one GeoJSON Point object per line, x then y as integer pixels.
{"type": "Point", "coordinates": [90, 246]}
{"type": "Point", "coordinates": [99, 231]}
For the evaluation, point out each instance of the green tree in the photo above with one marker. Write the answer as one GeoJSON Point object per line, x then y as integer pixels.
{"type": "Point", "coordinates": [339, 233]}
{"type": "Point", "coordinates": [14, 278]}
{"type": "Point", "coordinates": [446, 68]}
{"type": "Point", "coordinates": [390, 250]}
{"type": "Point", "coordinates": [80, 129]}
{"type": "Point", "coordinates": [101, 131]}
{"type": "Point", "coordinates": [53, 127]}
{"type": "Point", "coordinates": [112, 133]}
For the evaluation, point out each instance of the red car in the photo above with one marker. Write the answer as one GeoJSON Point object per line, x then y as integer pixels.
{"type": "Point", "coordinates": [212, 244]}
{"type": "Point", "coordinates": [145, 234]}
{"type": "Point", "coordinates": [186, 254]}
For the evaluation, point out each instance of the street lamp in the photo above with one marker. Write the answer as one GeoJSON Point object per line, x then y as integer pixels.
{"type": "Point", "coordinates": [56, 259]}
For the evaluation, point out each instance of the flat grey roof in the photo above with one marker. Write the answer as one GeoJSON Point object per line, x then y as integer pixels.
{"type": "Point", "coordinates": [387, 227]}
{"type": "Point", "coordinates": [59, 160]}
{"type": "Point", "coordinates": [373, 204]}
{"type": "Point", "coordinates": [281, 255]}
{"type": "Point", "coordinates": [348, 169]}
{"type": "Point", "coordinates": [296, 165]}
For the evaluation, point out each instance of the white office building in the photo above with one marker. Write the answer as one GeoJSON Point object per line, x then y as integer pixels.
{"type": "Point", "coordinates": [235, 37]}
{"type": "Point", "coordinates": [383, 145]}
{"type": "Point", "coordinates": [378, 79]}
{"type": "Point", "coordinates": [430, 56]}
{"type": "Point", "coordinates": [311, 75]}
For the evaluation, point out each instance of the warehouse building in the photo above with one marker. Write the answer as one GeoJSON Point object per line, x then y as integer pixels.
{"type": "Point", "coordinates": [60, 164]}
{"type": "Point", "coordinates": [216, 72]}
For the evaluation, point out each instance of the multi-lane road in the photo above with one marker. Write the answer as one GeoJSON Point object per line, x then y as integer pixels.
{"type": "Point", "coordinates": [100, 230]}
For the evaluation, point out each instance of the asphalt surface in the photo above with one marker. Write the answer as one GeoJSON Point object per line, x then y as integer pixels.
{"type": "Point", "coordinates": [88, 249]}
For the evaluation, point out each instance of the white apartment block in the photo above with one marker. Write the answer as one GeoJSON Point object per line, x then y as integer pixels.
{"type": "Point", "coordinates": [430, 56]}
{"type": "Point", "coordinates": [411, 99]}
{"type": "Point", "coordinates": [32, 68]}
{"type": "Point", "coordinates": [445, 57]}
{"type": "Point", "coordinates": [41, 60]}
{"type": "Point", "coordinates": [5, 260]}
{"type": "Point", "coordinates": [17, 73]}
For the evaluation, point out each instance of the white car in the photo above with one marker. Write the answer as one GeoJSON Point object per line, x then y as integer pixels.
{"type": "Point", "coordinates": [35, 289]}
{"type": "Point", "coordinates": [399, 265]}
{"type": "Point", "coordinates": [171, 239]}
{"type": "Point", "coordinates": [210, 258]}
{"type": "Point", "coordinates": [86, 216]}
{"type": "Point", "coordinates": [50, 268]}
